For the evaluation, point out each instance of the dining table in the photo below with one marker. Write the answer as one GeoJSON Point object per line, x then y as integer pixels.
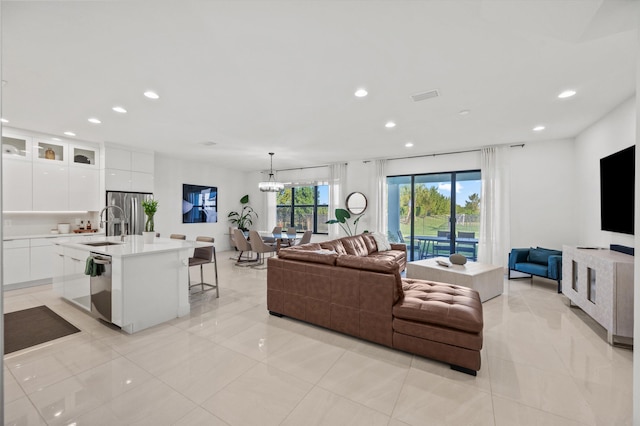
{"type": "Point", "coordinates": [282, 239]}
{"type": "Point", "coordinates": [427, 244]}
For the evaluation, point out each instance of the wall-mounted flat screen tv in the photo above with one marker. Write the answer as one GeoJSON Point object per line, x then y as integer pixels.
{"type": "Point", "coordinates": [199, 203]}
{"type": "Point", "coordinates": [617, 191]}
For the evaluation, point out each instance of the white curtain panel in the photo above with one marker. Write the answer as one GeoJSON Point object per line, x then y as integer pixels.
{"type": "Point", "coordinates": [493, 244]}
{"type": "Point", "coordinates": [381, 196]}
{"type": "Point", "coordinates": [337, 183]}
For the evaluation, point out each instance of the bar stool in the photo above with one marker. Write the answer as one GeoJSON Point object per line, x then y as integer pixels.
{"type": "Point", "coordinates": [203, 256]}
{"type": "Point", "coordinates": [178, 236]}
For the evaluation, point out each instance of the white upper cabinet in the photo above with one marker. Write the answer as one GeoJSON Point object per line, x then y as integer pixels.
{"type": "Point", "coordinates": [84, 156]}
{"type": "Point", "coordinates": [84, 184]}
{"type": "Point", "coordinates": [16, 147]}
{"type": "Point", "coordinates": [42, 173]}
{"type": "Point", "coordinates": [17, 185]}
{"type": "Point", "coordinates": [50, 187]}
{"type": "Point", "coordinates": [127, 170]}
{"type": "Point", "coordinates": [117, 158]}
{"type": "Point", "coordinates": [142, 162]}
{"type": "Point", "coordinates": [50, 151]}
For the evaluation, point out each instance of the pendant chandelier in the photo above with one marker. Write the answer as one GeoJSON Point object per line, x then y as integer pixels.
{"type": "Point", "coordinates": [271, 185]}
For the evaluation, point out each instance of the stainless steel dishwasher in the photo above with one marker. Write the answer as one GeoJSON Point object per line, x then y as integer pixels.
{"type": "Point", "coordinates": [101, 288]}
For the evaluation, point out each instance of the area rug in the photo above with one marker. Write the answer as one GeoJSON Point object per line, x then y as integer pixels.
{"type": "Point", "coordinates": [30, 327]}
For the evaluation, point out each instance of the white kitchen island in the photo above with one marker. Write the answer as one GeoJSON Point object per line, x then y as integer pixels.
{"type": "Point", "coordinates": [149, 282]}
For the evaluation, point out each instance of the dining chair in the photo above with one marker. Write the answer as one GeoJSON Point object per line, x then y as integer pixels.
{"type": "Point", "coordinates": [272, 240]}
{"type": "Point", "coordinates": [410, 248]}
{"type": "Point", "coordinates": [442, 246]}
{"type": "Point", "coordinates": [259, 247]}
{"type": "Point", "coordinates": [203, 256]}
{"type": "Point", "coordinates": [178, 236]}
{"type": "Point", "coordinates": [243, 246]}
{"type": "Point", "coordinates": [306, 238]}
{"type": "Point", "coordinates": [468, 248]}
{"type": "Point", "coordinates": [288, 242]}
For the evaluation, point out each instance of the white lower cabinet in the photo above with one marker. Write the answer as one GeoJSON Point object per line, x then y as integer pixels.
{"type": "Point", "coordinates": [41, 259]}
{"type": "Point", "coordinates": [15, 268]}
{"type": "Point", "coordinates": [76, 287]}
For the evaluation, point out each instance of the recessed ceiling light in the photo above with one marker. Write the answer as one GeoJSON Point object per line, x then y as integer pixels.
{"type": "Point", "coordinates": [567, 94]}
{"type": "Point", "coordinates": [4, 120]}
{"type": "Point", "coordinates": [538, 128]}
{"type": "Point", "coordinates": [119, 109]}
{"type": "Point", "coordinates": [361, 93]}
{"type": "Point", "coordinates": [151, 95]}
{"type": "Point", "coordinates": [390, 125]}
{"type": "Point", "coordinates": [464, 112]}
{"type": "Point", "coordinates": [69, 133]}
{"type": "Point", "coordinates": [408, 144]}
{"type": "Point", "coordinates": [56, 139]}
{"type": "Point", "coordinates": [94, 120]}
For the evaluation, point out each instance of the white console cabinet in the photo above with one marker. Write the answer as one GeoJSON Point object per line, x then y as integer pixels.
{"type": "Point", "coordinates": [600, 282]}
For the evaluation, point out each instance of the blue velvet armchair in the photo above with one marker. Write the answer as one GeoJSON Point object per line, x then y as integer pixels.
{"type": "Point", "coordinates": [537, 261]}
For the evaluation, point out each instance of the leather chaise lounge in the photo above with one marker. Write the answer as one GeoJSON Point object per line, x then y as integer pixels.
{"type": "Point", "coordinates": [347, 285]}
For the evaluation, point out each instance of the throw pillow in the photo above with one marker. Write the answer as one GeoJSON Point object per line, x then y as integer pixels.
{"type": "Point", "coordinates": [381, 241]}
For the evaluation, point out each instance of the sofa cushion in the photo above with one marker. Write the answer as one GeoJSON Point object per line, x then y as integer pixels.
{"type": "Point", "coordinates": [540, 256]}
{"type": "Point", "coordinates": [448, 305]}
{"type": "Point", "coordinates": [367, 263]}
{"type": "Point", "coordinates": [532, 268]}
{"type": "Point", "coordinates": [396, 256]}
{"type": "Point", "coordinates": [355, 245]}
{"type": "Point", "coordinates": [370, 242]}
{"type": "Point", "coordinates": [335, 245]}
{"type": "Point", "coordinates": [382, 243]}
{"type": "Point", "coordinates": [312, 252]}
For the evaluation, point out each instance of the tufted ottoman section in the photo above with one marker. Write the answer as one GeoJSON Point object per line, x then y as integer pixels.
{"type": "Point", "coordinates": [441, 321]}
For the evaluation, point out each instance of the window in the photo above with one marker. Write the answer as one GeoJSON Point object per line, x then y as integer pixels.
{"type": "Point", "coordinates": [431, 218]}
{"type": "Point", "coordinates": [304, 208]}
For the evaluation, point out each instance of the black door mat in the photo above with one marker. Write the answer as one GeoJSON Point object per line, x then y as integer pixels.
{"type": "Point", "coordinates": [30, 327]}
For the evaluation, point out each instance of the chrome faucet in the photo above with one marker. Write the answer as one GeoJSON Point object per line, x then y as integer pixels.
{"type": "Point", "coordinates": [123, 218]}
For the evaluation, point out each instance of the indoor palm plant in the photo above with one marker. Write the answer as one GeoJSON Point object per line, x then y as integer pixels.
{"type": "Point", "coordinates": [150, 208]}
{"type": "Point", "coordinates": [244, 218]}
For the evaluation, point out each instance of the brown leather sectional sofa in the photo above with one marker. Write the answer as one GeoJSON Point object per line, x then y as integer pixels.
{"type": "Point", "coordinates": [349, 286]}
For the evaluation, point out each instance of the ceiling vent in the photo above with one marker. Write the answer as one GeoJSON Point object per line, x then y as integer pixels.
{"type": "Point", "coordinates": [425, 95]}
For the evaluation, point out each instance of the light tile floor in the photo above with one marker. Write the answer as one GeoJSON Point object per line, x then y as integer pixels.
{"type": "Point", "coordinates": [230, 363]}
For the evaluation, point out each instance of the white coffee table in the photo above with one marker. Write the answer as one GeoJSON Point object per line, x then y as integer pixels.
{"type": "Point", "coordinates": [487, 280]}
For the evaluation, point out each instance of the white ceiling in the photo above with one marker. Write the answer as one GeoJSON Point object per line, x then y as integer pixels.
{"type": "Point", "coordinates": [261, 76]}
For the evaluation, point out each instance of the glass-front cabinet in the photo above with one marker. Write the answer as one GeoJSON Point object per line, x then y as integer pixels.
{"type": "Point", "coordinates": [50, 150]}
{"type": "Point", "coordinates": [82, 155]}
{"type": "Point", "coordinates": [16, 147]}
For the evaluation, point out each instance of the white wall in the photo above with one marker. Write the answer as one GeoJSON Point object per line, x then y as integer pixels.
{"type": "Point", "coordinates": [615, 131]}
{"type": "Point", "coordinates": [543, 200]}
{"type": "Point", "coordinates": [171, 173]}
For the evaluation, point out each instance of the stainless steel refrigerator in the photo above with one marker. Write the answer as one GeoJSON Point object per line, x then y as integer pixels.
{"type": "Point", "coordinates": [131, 203]}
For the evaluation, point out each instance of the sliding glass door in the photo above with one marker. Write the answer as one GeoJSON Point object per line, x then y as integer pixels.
{"type": "Point", "coordinates": [435, 214]}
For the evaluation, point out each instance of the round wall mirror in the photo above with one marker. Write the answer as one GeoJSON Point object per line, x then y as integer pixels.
{"type": "Point", "coordinates": [356, 203]}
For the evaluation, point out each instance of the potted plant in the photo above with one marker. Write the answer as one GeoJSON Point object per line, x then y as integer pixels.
{"type": "Point", "coordinates": [244, 218]}
{"type": "Point", "coordinates": [150, 208]}
{"type": "Point", "coordinates": [342, 219]}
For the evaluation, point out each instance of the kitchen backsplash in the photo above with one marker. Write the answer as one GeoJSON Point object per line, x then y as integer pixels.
{"type": "Point", "coordinates": [24, 224]}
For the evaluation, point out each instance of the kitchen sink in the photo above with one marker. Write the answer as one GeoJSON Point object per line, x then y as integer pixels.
{"type": "Point", "coordinates": [101, 243]}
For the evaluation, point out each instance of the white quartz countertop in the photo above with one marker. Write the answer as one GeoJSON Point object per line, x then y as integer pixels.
{"type": "Point", "coordinates": [134, 245]}
{"type": "Point", "coordinates": [50, 235]}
